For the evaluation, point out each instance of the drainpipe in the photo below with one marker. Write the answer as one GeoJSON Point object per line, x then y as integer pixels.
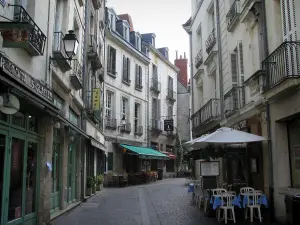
{"type": "Point", "coordinates": [191, 110]}
{"type": "Point", "coordinates": [220, 58]}
{"type": "Point", "coordinates": [268, 119]}
{"type": "Point", "coordinates": [47, 48]}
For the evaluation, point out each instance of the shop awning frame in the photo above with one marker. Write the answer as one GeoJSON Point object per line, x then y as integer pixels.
{"type": "Point", "coordinates": [145, 153]}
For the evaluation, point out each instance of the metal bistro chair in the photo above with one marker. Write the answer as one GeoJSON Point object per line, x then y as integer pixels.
{"type": "Point", "coordinates": [226, 201]}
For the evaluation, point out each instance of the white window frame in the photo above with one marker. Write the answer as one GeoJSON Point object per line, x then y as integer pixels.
{"type": "Point", "coordinates": [109, 105]}
{"type": "Point", "coordinates": [125, 108]}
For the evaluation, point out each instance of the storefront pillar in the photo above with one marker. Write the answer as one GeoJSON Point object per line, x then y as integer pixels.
{"type": "Point", "coordinates": [46, 131]}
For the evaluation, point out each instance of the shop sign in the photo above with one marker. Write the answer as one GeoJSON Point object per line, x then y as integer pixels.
{"type": "Point", "coordinates": [14, 71]}
{"type": "Point", "coordinates": [96, 99]}
{"type": "Point", "coordinates": [168, 125]}
{"type": "Point", "coordinates": [241, 125]}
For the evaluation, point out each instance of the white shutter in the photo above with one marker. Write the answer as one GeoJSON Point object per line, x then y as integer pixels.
{"type": "Point", "coordinates": [289, 23]}
{"type": "Point", "coordinates": [241, 63]}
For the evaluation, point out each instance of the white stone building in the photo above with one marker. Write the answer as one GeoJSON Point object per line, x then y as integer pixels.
{"type": "Point", "coordinates": [126, 90]}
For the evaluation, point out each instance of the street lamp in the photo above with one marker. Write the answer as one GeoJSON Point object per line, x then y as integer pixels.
{"type": "Point", "coordinates": [70, 44]}
{"type": "Point", "coordinates": [123, 120]}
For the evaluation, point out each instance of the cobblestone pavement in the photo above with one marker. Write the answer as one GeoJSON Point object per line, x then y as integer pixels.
{"type": "Point", "coordinates": [165, 202]}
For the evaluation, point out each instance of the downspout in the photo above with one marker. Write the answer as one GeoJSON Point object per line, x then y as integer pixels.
{"type": "Point", "coordinates": [220, 58]}
{"type": "Point", "coordinates": [47, 48]}
{"type": "Point", "coordinates": [191, 110]}
{"type": "Point", "coordinates": [84, 90]}
{"type": "Point", "coordinates": [268, 117]}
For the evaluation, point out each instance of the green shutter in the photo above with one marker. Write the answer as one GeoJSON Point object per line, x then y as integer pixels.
{"type": "Point", "coordinates": [110, 161]}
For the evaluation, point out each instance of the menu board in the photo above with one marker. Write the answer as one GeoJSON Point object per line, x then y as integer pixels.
{"type": "Point", "coordinates": [209, 168]}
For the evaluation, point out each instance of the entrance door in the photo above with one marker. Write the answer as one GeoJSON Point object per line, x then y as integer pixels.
{"type": "Point", "coordinates": [72, 173]}
{"type": "Point", "coordinates": [3, 168]}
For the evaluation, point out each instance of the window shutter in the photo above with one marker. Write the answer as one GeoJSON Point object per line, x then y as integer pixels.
{"type": "Point", "coordinates": [109, 60]}
{"type": "Point", "coordinates": [113, 59]}
{"type": "Point", "coordinates": [140, 76]}
{"type": "Point", "coordinates": [110, 161]}
{"type": "Point", "coordinates": [158, 109]}
{"type": "Point", "coordinates": [234, 67]}
{"type": "Point", "coordinates": [124, 66]}
{"type": "Point", "coordinates": [128, 69]}
{"type": "Point", "coordinates": [241, 57]}
{"type": "Point", "coordinates": [136, 75]}
{"type": "Point", "coordinates": [154, 108]}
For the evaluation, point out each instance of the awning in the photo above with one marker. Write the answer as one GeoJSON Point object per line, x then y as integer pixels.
{"type": "Point", "coordinates": [170, 155]}
{"type": "Point", "coordinates": [145, 153]}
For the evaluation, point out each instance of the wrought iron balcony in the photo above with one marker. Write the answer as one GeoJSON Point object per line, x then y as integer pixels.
{"type": "Point", "coordinates": [94, 53]}
{"type": "Point", "coordinates": [171, 95]}
{"type": "Point", "coordinates": [211, 41]}
{"type": "Point", "coordinates": [207, 113]}
{"type": "Point", "coordinates": [155, 85]}
{"type": "Point", "coordinates": [96, 4]}
{"type": "Point", "coordinates": [93, 114]}
{"type": "Point", "coordinates": [282, 64]}
{"type": "Point", "coordinates": [111, 123]}
{"type": "Point", "coordinates": [233, 14]}
{"type": "Point", "coordinates": [59, 56]}
{"type": "Point", "coordinates": [199, 59]}
{"type": "Point", "coordinates": [126, 128]}
{"type": "Point", "coordinates": [76, 75]}
{"type": "Point", "coordinates": [23, 32]}
{"type": "Point", "coordinates": [156, 125]}
{"type": "Point", "coordinates": [138, 130]}
{"type": "Point", "coordinates": [234, 100]}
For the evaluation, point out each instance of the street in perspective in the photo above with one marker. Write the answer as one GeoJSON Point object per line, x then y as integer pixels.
{"type": "Point", "coordinates": [149, 112]}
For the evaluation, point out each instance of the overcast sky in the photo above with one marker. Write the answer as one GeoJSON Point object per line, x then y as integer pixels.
{"type": "Point", "coordinates": [162, 17]}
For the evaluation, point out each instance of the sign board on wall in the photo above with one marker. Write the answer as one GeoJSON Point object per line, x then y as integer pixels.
{"type": "Point", "coordinates": [96, 99]}
{"type": "Point", "coordinates": [168, 125]}
{"type": "Point", "coordinates": [209, 168]}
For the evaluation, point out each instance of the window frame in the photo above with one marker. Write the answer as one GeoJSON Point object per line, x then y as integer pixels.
{"type": "Point", "coordinates": [108, 108]}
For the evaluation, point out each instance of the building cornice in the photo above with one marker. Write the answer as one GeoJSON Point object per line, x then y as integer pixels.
{"type": "Point", "coordinates": [115, 37]}
{"type": "Point", "coordinates": [162, 58]}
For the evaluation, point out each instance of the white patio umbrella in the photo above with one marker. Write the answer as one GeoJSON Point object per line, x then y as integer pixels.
{"type": "Point", "coordinates": [225, 135]}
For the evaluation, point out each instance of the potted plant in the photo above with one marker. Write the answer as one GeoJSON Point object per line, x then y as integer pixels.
{"type": "Point", "coordinates": [99, 182]}
{"type": "Point", "coordinates": [94, 185]}
{"type": "Point", "coordinates": [89, 185]}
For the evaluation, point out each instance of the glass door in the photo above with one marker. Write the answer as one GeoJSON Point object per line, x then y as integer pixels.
{"type": "Point", "coordinates": [3, 166]}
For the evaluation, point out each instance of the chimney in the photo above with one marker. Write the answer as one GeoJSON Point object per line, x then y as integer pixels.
{"type": "Point", "coordinates": [184, 56]}
{"type": "Point", "coordinates": [182, 64]}
{"type": "Point", "coordinates": [176, 54]}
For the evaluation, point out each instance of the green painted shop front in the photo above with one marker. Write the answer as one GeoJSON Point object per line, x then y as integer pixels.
{"type": "Point", "coordinates": [19, 170]}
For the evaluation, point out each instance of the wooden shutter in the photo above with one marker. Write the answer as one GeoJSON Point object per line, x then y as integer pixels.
{"type": "Point", "coordinates": [234, 67]}
{"type": "Point", "coordinates": [140, 76]}
{"type": "Point", "coordinates": [109, 61]}
{"type": "Point", "coordinates": [154, 108]}
{"type": "Point", "coordinates": [113, 59]}
{"type": "Point", "coordinates": [124, 66]}
{"type": "Point", "coordinates": [128, 69]}
{"type": "Point", "coordinates": [158, 109]}
{"type": "Point", "coordinates": [136, 75]}
{"type": "Point", "coordinates": [241, 57]}
{"type": "Point", "coordinates": [110, 161]}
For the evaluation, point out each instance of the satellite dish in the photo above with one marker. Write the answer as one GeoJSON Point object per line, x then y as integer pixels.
{"type": "Point", "coordinates": [10, 105]}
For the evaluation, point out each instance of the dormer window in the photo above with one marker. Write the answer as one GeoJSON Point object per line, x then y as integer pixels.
{"type": "Point", "coordinates": [126, 37]}
{"type": "Point", "coordinates": [138, 43]}
{"type": "Point", "coordinates": [112, 19]}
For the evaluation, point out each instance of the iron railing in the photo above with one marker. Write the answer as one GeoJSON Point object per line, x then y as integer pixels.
{"type": "Point", "coordinates": [209, 112]}
{"type": "Point", "coordinates": [233, 14]}
{"type": "Point", "coordinates": [35, 35]}
{"type": "Point", "coordinates": [281, 64]}
{"type": "Point", "coordinates": [171, 95]}
{"type": "Point", "coordinates": [156, 125]}
{"type": "Point", "coordinates": [211, 41]}
{"type": "Point", "coordinates": [138, 130]}
{"type": "Point", "coordinates": [111, 123]}
{"type": "Point", "coordinates": [234, 100]}
{"type": "Point", "coordinates": [155, 85]}
{"type": "Point", "coordinates": [77, 69]}
{"type": "Point", "coordinates": [199, 59]}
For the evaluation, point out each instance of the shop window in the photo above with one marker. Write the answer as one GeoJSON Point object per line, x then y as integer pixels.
{"type": "Point", "coordinates": [31, 178]}
{"type": "Point", "coordinates": [32, 124]}
{"type": "Point", "coordinates": [294, 143]}
{"type": "Point", "coordinates": [58, 102]}
{"type": "Point", "coordinates": [170, 166]}
{"type": "Point", "coordinates": [110, 160]}
{"type": "Point", "coordinates": [73, 117]}
{"type": "Point", "coordinates": [3, 117]}
{"type": "Point", "coordinates": [18, 119]}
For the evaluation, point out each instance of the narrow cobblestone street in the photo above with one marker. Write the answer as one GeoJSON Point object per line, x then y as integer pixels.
{"type": "Point", "coordinates": [162, 203]}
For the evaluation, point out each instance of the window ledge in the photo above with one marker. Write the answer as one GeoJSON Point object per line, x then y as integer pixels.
{"type": "Point", "coordinates": [139, 88]}
{"type": "Point", "coordinates": [113, 75]}
{"type": "Point", "coordinates": [127, 82]}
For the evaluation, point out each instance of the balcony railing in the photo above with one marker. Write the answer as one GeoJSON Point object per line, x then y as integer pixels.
{"type": "Point", "coordinates": [76, 75]}
{"type": "Point", "coordinates": [126, 128]}
{"type": "Point", "coordinates": [156, 125]}
{"type": "Point", "coordinates": [199, 59]}
{"type": "Point", "coordinates": [233, 14]}
{"type": "Point", "coordinates": [209, 112]}
{"type": "Point", "coordinates": [59, 56]}
{"type": "Point", "coordinates": [171, 95]}
{"type": "Point", "coordinates": [94, 53]}
{"type": "Point", "coordinates": [138, 130]}
{"type": "Point", "coordinates": [155, 85]}
{"type": "Point", "coordinates": [111, 123]}
{"type": "Point", "coordinates": [23, 32]}
{"type": "Point", "coordinates": [211, 41]}
{"type": "Point", "coordinates": [281, 64]}
{"type": "Point", "coordinates": [234, 100]}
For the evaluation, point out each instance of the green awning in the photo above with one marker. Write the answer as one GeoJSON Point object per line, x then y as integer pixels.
{"type": "Point", "coordinates": [145, 153]}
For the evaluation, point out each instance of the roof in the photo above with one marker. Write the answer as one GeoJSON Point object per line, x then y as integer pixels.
{"type": "Point", "coordinates": [145, 152]}
{"type": "Point", "coordinates": [127, 17]}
